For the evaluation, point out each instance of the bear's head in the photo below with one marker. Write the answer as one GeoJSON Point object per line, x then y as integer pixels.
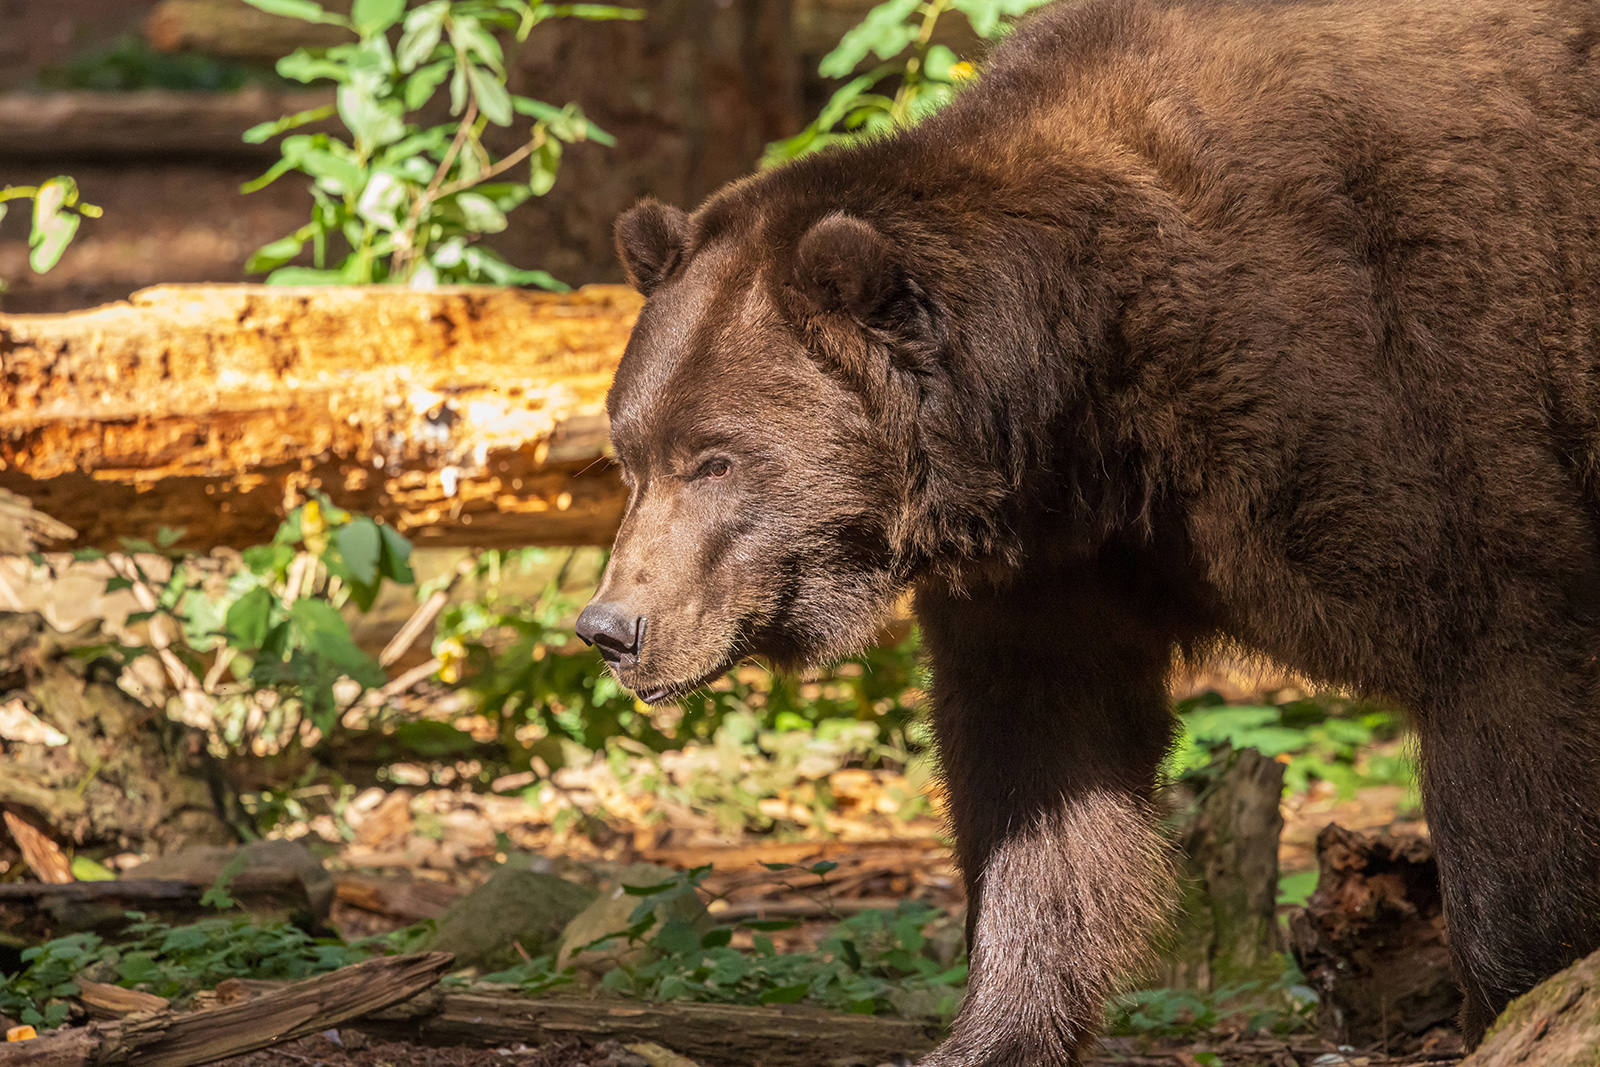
{"type": "Point", "coordinates": [759, 416]}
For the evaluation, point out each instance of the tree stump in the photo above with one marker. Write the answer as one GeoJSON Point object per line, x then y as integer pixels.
{"type": "Point", "coordinates": [97, 768]}
{"type": "Point", "coordinates": [1228, 845]}
{"type": "Point", "coordinates": [1556, 1024]}
{"type": "Point", "coordinates": [1371, 940]}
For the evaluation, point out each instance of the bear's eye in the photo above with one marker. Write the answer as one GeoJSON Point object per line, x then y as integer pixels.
{"type": "Point", "coordinates": [716, 467]}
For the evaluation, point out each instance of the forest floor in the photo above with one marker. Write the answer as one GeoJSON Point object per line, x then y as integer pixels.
{"type": "Point", "coordinates": [346, 1050]}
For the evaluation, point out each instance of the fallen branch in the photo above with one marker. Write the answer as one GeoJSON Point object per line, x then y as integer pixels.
{"type": "Point", "coordinates": [712, 1034]}
{"type": "Point", "coordinates": [184, 1039]}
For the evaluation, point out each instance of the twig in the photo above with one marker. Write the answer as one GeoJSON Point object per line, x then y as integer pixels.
{"type": "Point", "coordinates": [410, 678]}
{"type": "Point", "coordinates": [420, 619]}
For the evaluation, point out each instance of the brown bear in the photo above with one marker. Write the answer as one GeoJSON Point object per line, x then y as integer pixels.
{"type": "Point", "coordinates": [1189, 325]}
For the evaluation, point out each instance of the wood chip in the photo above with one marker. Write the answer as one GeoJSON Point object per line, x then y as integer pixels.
{"type": "Point", "coordinates": [43, 855]}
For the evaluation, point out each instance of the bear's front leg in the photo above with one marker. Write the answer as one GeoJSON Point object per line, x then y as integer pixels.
{"type": "Point", "coordinates": [1052, 717]}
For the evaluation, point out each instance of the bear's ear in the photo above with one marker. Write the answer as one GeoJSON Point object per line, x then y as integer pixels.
{"type": "Point", "coordinates": [846, 265]}
{"type": "Point", "coordinates": [651, 239]}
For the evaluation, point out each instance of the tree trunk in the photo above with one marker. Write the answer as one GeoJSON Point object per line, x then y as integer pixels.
{"type": "Point", "coordinates": [1371, 940]}
{"type": "Point", "coordinates": [1556, 1024]}
{"type": "Point", "coordinates": [461, 416]}
{"type": "Point", "coordinates": [1228, 933]}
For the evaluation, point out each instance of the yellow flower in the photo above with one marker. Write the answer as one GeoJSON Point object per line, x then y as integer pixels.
{"type": "Point", "coordinates": [962, 71]}
{"type": "Point", "coordinates": [314, 527]}
{"type": "Point", "coordinates": [451, 654]}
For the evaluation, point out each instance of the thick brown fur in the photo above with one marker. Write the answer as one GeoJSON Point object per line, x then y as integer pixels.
{"type": "Point", "coordinates": [1275, 324]}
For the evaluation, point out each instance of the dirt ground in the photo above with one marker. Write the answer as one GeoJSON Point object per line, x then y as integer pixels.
{"type": "Point", "coordinates": [350, 1049]}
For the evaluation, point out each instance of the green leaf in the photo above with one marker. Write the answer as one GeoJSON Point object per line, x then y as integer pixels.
{"type": "Point", "coordinates": [938, 63]}
{"type": "Point", "coordinates": [493, 100]}
{"type": "Point", "coordinates": [320, 628]}
{"type": "Point", "coordinates": [85, 869]}
{"type": "Point", "coordinates": [265, 131]}
{"type": "Point", "coordinates": [304, 10]}
{"type": "Point", "coordinates": [117, 584]}
{"type": "Point", "coordinates": [274, 254]}
{"type": "Point", "coordinates": [395, 561]}
{"type": "Point", "coordinates": [788, 994]}
{"type": "Point", "coordinates": [335, 173]}
{"type": "Point", "coordinates": [677, 937]}
{"type": "Point", "coordinates": [375, 16]}
{"type": "Point", "coordinates": [468, 35]}
{"type": "Point", "coordinates": [304, 276]}
{"type": "Point", "coordinates": [375, 123]}
{"type": "Point", "coordinates": [53, 227]}
{"type": "Point", "coordinates": [479, 214]}
{"type": "Point", "coordinates": [360, 544]}
{"type": "Point", "coordinates": [421, 85]}
{"type": "Point", "coordinates": [250, 617]}
{"type": "Point", "coordinates": [543, 166]}
{"type": "Point", "coordinates": [267, 560]}
{"type": "Point", "coordinates": [301, 66]}
{"type": "Point", "coordinates": [885, 32]}
{"type": "Point", "coordinates": [424, 28]}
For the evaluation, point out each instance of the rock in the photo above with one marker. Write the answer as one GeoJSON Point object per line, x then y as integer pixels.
{"type": "Point", "coordinates": [514, 907]}
{"type": "Point", "coordinates": [275, 868]}
{"type": "Point", "coordinates": [1556, 1024]}
{"type": "Point", "coordinates": [1371, 941]}
{"type": "Point", "coordinates": [610, 912]}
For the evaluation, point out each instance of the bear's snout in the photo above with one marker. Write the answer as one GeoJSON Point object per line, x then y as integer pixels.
{"type": "Point", "coordinates": [615, 631]}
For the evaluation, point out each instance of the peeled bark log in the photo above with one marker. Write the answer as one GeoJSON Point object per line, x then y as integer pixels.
{"type": "Point", "coordinates": [1229, 856]}
{"type": "Point", "coordinates": [462, 416]}
{"type": "Point", "coordinates": [1556, 1024]}
{"type": "Point", "coordinates": [1371, 940]}
{"type": "Point", "coordinates": [185, 1039]}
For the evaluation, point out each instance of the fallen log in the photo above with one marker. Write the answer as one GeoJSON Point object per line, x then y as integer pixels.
{"type": "Point", "coordinates": [718, 1035]}
{"type": "Point", "coordinates": [462, 416]}
{"type": "Point", "coordinates": [1371, 941]}
{"type": "Point", "coordinates": [35, 912]}
{"type": "Point", "coordinates": [1556, 1024]}
{"type": "Point", "coordinates": [184, 1039]}
{"type": "Point", "coordinates": [147, 124]}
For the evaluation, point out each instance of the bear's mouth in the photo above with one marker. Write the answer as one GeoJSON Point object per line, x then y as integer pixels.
{"type": "Point", "coordinates": [659, 693]}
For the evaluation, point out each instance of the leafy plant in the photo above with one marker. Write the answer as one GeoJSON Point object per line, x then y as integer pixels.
{"type": "Point", "coordinates": [57, 213]}
{"type": "Point", "coordinates": [1283, 1006]}
{"type": "Point", "coordinates": [874, 962]}
{"type": "Point", "coordinates": [408, 201]}
{"type": "Point", "coordinates": [278, 617]}
{"type": "Point", "coordinates": [1327, 739]}
{"type": "Point", "coordinates": [913, 75]}
{"type": "Point", "coordinates": [280, 650]}
{"type": "Point", "coordinates": [169, 961]}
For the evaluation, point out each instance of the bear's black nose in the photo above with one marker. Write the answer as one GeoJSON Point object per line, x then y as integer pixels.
{"type": "Point", "coordinates": [617, 633]}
